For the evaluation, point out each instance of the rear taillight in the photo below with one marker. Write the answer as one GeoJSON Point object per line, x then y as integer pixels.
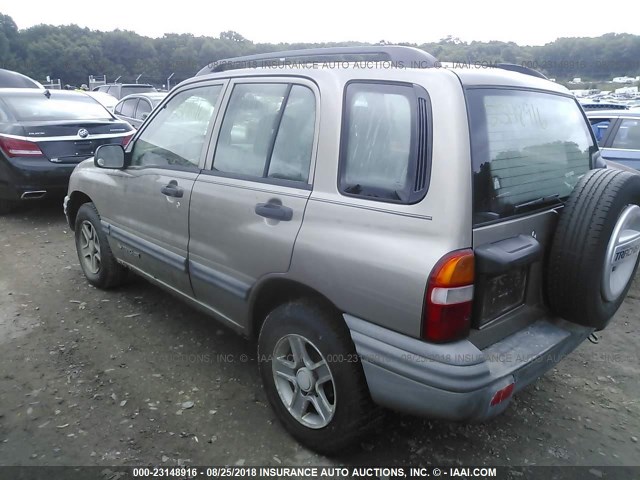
{"type": "Point", "coordinates": [14, 147]}
{"type": "Point", "coordinates": [449, 298]}
{"type": "Point", "coordinates": [126, 140]}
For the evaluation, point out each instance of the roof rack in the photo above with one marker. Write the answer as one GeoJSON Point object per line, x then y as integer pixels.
{"type": "Point", "coordinates": [521, 69]}
{"type": "Point", "coordinates": [406, 56]}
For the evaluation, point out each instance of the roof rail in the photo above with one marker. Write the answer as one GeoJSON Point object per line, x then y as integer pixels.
{"type": "Point", "coordinates": [410, 57]}
{"type": "Point", "coordinates": [521, 69]}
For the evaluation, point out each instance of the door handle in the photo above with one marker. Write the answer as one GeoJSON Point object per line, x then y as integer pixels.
{"type": "Point", "coordinates": [172, 190]}
{"type": "Point", "coordinates": [275, 211]}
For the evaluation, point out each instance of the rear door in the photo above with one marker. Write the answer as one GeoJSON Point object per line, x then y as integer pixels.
{"type": "Point", "coordinates": [142, 111]}
{"type": "Point", "coordinates": [248, 204]}
{"type": "Point", "coordinates": [529, 149]}
{"type": "Point", "coordinates": [148, 210]}
{"type": "Point", "coordinates": [623, 144]}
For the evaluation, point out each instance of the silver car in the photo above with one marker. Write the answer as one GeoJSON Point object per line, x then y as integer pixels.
{"type": "Point", "coordinates": [137, 107]}
{"type": "Point", "coordinates": [393, 233]}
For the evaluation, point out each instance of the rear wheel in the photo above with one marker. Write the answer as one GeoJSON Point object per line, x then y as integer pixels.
{"type": "Point", "coordinates": [95, 255]}
{"type": "Point", "coordinates": [313, 378]}
{"type": "Point", "coordinates": [594, 254]}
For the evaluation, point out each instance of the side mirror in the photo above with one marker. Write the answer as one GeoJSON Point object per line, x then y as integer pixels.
{"type": "Point", "coordinates": [109, 156]}
{"type": "Point", "coordinates": [145, 116]}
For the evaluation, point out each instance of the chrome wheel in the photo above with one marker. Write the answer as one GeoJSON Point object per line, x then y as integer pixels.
{"type": "Point", "coordinates": [622, 253]}
{"type": "Point", "coordinates": [304, 381]}
{"type": "Point", "coordinates": [90, 247]}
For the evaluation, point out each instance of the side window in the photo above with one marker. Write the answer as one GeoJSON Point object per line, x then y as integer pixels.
{"type": "Point", "coordinates": [292, 149]}
{"type": "Point", "coordinates": [113, 90]}
{"type": "Point", "coordinates": [128, 107]}
{"type": "Point", "coordinates": [600, 127]}
{"type": "Point", "coordinates": [177, 133]}
{"type": "Point", "coordinates": [144, 107]}
{"type": "Point", "coordinates": [628, 135]}
{"type": "Point", "coordinates": [118, 109]}
{"type": "Point", "coordinates": [378, 157]}
{"type": "Point", "coordinates": [248, 127]}
{"type": "Point", "coordinates": [103, 88]}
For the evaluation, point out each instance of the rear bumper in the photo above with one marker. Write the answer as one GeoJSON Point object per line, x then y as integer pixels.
{"type": "Point", "coordinates": [457, 381]}
{"type": "Point", "coordinates": [21, 175]}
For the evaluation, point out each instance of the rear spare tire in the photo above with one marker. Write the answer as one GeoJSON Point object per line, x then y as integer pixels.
{"type": "Point", "coordinates": [594, 253]}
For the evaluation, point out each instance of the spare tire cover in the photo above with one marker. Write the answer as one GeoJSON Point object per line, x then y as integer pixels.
{"type": "Point", "coordinates": [594, 252]}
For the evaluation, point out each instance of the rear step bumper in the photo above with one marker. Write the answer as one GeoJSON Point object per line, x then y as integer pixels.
{"type": "Point", "coordinates": [457, 381]}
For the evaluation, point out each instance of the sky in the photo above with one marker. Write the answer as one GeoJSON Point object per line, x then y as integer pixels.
{"type": "Point", "coordinates": [275, 21]}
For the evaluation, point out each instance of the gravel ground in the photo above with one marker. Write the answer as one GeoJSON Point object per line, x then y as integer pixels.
{"type": "Point", "coordinates": [132, 376]}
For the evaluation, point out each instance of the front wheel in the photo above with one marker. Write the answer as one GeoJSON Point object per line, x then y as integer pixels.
{"type": "Point", "coordinates": [95, 255]}
{"type": "Point", "coordinates": [313, 377]}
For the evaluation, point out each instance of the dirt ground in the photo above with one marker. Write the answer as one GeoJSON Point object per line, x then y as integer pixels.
{"type": "Point", "coordinates": [133, 376]}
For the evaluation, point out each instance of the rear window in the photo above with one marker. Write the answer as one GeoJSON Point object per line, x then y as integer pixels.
{"type": "Point", "coordinates": [528, 149]}
{"type": "Point", "coordinates": [34, 108]}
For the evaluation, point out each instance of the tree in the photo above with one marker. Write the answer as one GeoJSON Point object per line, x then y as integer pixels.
{"type": "Point", "coordinates": [72, 53]}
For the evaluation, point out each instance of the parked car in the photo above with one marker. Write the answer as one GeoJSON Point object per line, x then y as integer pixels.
{"type": "Point", "coordinates": [44, 134]}
{"type": "Point", "coordinates": [121, 90]}
{"type": "Point", "coordinates": [413, 238]}
{"type": "Point", "coordinates": [618, 134]}
{"type": "Point", "coordinates": [590, 105]}
{"type": "Point", "coordinates": [137, 107]}
{"type": "Point", "coordinates": [107, 101]}
{"type": "Point", "coordinates": [11, 79]}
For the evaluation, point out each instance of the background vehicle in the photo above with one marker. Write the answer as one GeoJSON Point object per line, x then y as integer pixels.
{"type": "Point", "coordinates": [137, 107]}
{"type": "Point", "coordinates": [590, 105]}
{"type": "Point", "coordinates": [11, 79]}
{"type": "Point", "coordinates": [107, 101]}
{"type": "Point", "coordinates": [414, 238]}
{"type": "Point", "coordinates": [44, 135]}
{"type": "Point", "coordinates": [618, 134]}
{"type": "Point", "coordinates": [121, 90]}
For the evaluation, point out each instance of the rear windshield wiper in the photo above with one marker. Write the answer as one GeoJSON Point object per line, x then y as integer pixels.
{"type": "Point", "coordinates": [538, 202]}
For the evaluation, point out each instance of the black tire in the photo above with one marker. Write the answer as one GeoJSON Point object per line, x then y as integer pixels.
{"type": "Point", "coordinates": [576, 266]}
{"type": "Point", "coordinates": [354, 413]}
{"type": "Point", "coordinates": [110, 273]}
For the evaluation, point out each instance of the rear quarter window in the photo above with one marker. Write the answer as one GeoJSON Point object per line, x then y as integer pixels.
{"type": "Point", "coordinates": [528, 148]}
{"type": "Point", "coordinates": [384, 150]}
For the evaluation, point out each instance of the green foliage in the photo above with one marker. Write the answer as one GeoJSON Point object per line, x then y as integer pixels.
{"type": "Point", "coordinates": [72, 53]}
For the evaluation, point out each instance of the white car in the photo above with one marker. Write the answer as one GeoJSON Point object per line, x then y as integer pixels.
{"type": "Point", "coordinates": [108, 101]}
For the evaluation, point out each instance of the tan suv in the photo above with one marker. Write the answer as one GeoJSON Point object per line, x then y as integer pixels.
{"type": "Point", "coordinates": [393, 233]}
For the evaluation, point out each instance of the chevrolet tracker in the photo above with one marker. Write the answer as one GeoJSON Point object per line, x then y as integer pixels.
{"type": "Point", "coordinates": [428, 240]}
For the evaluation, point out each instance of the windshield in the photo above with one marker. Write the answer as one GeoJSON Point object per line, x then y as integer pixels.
{"type": "Point", "coordinates": [35, 108]}
{"type": "Point", "coordinates": [528, 149]}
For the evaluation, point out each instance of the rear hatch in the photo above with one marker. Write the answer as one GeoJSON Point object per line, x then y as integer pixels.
{"type": "Point", "coordinates": [529, 149]}
{"type": "Point", "coordinates": [72, 142]}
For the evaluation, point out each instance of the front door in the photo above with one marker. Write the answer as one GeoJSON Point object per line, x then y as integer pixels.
{"type": "Point", "coordinates": [247, 207]}
{"type": "Point", "coordinates": [148, 215]}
